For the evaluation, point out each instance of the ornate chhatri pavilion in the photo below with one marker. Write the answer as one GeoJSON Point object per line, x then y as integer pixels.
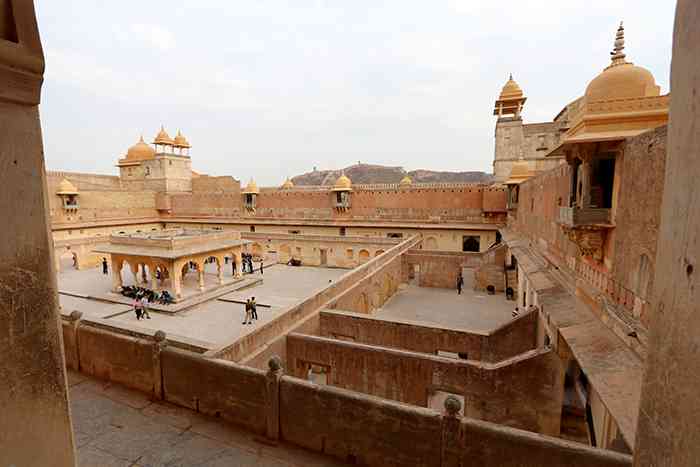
{"type": "Point", "coordinates": [162, 258]}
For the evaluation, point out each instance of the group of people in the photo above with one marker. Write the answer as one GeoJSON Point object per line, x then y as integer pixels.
{"type": "Point", "coordinates": [251, 311]}
{"type": "Point", "coordinates": [135, 291]}
{"type": "Point", "coordinates": [248, 263]}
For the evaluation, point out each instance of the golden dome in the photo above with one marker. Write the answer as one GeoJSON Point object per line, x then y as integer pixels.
{"type": "Point", "coordinates": [251, 189]}
{"type": "Point", "coordinates": [510, 90]}
{"type": "Point", "coordinates": [519, 172]}
{"type": "Point", "coordinates": [406, 181]}
{"type": "Point", "coordinates": [342, 184]}
{"type": "Point", "coordinates": [163, 137]}
{"type": "Point", "coordinates": [66, 188]}
{"type": "Point", "coordinates": [622, 79]}
{"type": "Point", "coordinates": [287, 184]}
{"type": "Point", "coordinates": [140, 151]}
{"type": "Point", "coordinates": [180, 141]}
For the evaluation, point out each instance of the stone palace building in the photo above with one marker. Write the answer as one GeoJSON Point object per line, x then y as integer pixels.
{"type": "Point", "coordinates": [572, 340]}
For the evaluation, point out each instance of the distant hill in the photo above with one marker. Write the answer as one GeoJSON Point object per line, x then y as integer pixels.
{"type": "Point", "coordinates": [371, 173]}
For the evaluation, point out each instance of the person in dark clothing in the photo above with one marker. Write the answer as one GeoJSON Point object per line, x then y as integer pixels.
{"type": "Point", "coordinates": [460, 284]}
{"type": "Point", "coordinates": [104, 266]}
{"type": "Point", "coordinates": [247, 319]}
{"type": "Point", "coordinates": [233, 266]}
{"type": "Point", "coordinates": [253, 309]}
{"type": "Point", "coordinates": [261, 267]}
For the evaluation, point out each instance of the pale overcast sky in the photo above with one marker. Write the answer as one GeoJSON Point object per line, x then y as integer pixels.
{"type": "Point", "coordinates": [273, 88]}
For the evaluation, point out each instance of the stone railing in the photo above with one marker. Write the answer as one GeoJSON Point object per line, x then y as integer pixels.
{"type": "Point", "coordinates": [576, 217]}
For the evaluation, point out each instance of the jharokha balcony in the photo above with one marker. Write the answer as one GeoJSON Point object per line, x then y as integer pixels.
{"type": "Point", "coordinates": [587, 228]}
{"type": "Point", "coordinates": [583, 217]}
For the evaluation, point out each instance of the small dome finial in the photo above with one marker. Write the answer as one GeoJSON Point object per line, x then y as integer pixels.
{"type": "Point", "coordinates": [617, 55]}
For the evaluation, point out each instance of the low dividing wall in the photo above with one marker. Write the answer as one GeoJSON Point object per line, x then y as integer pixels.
{"type": "Point", "coordinates": [357, 428]}
{"type": "Point", "coordinates": [523, 392]}
{"type": "Point", "coordinates": [504, 342]}
{"type": "Point", "coordinates": [441, 268]}
{"type": "Point", "coordinates": [254, 349]}
{"type": "Point", "coordinates": [350, 426]}
{"type": "Point", "coordinates": [215, 387]}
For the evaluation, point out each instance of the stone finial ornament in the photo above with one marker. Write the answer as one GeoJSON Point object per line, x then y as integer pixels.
{"type": "Point", "coordinates": [159, 336]}
{"type": "Point", "coordinates": [452, 405]}
{"type": "Point", "coordinates": [617, 55]}
{"type": "Point", "coordinates": [275, 363]}
{"type": "Point", "coordinates": [75, 315]}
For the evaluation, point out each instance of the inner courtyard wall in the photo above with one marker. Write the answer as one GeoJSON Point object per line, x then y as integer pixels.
{"type": "Point", "coordinates": [509, 340]}
{"type": "Point", "coordinates": [524, 392]}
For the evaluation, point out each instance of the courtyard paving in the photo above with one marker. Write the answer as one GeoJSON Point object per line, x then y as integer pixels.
{"type": "Point", "coordinates": [209, 324]}
{"type": "Point", "coordinates": [118, 427]}
{"type": "Point", "coordinates": [474, 311]}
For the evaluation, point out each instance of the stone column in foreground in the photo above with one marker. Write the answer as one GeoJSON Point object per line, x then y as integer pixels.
{"type": "Point", "coordinates": [668, 432]}
{"type": "Point", "coordinates": [35, 424]}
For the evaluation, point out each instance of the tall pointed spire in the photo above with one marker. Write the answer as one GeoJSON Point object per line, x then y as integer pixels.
{"type": "Point", "coordinates": [617, 55]}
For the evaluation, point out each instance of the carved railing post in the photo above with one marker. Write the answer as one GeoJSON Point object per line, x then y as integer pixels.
{"type": "Point", "coordinates": [74, 320]}
{"type": "Point", "coordinates": [159, 344]}
{"type": "Point", "coordinates": [451, 422]}
{"type": "Point", "coordinates": [274, 375]}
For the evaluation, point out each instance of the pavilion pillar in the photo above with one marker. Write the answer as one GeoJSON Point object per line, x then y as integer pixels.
{"type": "Point", "coordinates": [200, 274]}
{"type": "Point", "coordinates": [238, 258]}
{"type": "Point", "coordinates": [135, 272]}
{"type": "Point", "coordinates": [144, 277]}
{"type": "Point", "coordinates": [154, 279]}
{"type": "Point", "coordinates": [116, 274]}
{"type": "Point", "coordinates": [176, 279]}
{"type": "Point", "coordinates": [585, 184]}
{"type": "Point", "coordinates": [220, 270]}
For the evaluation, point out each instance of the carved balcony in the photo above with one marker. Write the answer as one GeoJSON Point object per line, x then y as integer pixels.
{"type": "Point", "coordinates": [587, 228]}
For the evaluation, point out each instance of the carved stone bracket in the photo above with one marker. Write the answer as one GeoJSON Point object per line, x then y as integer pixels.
{"type": "Point", "coordinates": [588, 239]}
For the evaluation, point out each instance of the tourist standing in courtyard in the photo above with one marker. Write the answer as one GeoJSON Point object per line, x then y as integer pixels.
{"type": "Point", "coordinates": [460, 284]}
{"type": "Point", "coordinates": [247, 319]}
{"type": "Point", "coordinates": [138, 308]}
{"type": "Point", "coordinates": [253, 309]}
{"type": "Point", "coordinates": [144, 307]}
{"type": "Point", "coordinates": [261, 266]}
{"type": "Point", "coordinates": [104, 266]}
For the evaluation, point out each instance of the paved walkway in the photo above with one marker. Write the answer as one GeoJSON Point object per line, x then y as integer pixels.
{"type": "Point", "coordinates": [117, 427]}
{"type": "Point", "coordinates": [472, 310]}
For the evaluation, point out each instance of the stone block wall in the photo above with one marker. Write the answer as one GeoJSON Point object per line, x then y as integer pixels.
{"type": "Point", "coordinates": [524, 392]}
{"type": "Point", "coordinates": [350, 426]}
{"type": "Point", "coordinates": [507, 341]}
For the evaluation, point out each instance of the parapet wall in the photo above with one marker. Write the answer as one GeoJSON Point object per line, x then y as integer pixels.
{"type": "Point", "coordinates": [509, 340]}
{"type": "Point", "coordinates": [347, 425]}
{"type": "Point", "coordinates": [524, 392]}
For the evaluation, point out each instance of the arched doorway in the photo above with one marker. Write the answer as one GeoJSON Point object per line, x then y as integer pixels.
{"type": "Point", "coordinates": [471, 243]}
{"type": "Point", "coordinates": [285, 253]}
{"type": "Point", "coordinates": [363, 256]}
{"type": "Point", "coordinates": [431, 243]}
